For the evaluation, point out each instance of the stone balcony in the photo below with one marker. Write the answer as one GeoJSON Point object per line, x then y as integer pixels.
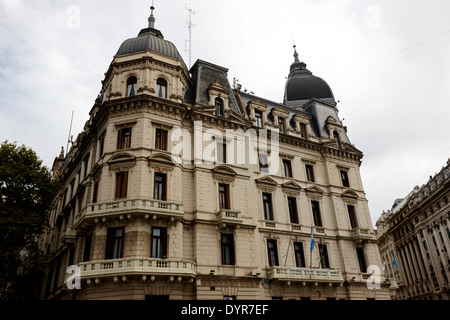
{"type": "Point", "coordinates": [68, 235]}
{"type": "Point", "coordinates": [144, 267]}
{"type": "Point", "coordinates": [296, 274]}
{"type": "Point", "coordinates": [228, 217]}
{"type": "Point", "coordinates": [150, 208]}
{"type": "Point", "coordinates": [361, 234]}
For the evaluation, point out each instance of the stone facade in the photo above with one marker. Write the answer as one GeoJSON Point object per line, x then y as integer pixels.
{"type": "Point", "coordinates": [166, 193]}
{"type": "Point", "coordinates": [416, 233]}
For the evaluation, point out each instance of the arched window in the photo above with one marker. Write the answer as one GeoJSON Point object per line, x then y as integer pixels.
{"type": "Point", "coordinates": [131, 86]}
{"type": "Point", "coordinates": [337, 138]}
{"type": "Point", "coordinates": [219, 107]}
{"type": "Point", "coordinates": [161, 88]}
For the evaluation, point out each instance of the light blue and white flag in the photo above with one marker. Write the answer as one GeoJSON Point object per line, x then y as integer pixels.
{"type": "Point", "coordinates": [313, 242]}
{"type": "Point", "coordinates": [395, 262]}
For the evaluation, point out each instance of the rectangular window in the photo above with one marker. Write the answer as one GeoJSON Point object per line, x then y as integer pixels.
{"type": "Point", "coordinates": [316, 213]}
{"type": "Point", "coordinates": [161, 139]}
{"type": "Point", "coordinates": [287, 168]}
{"type": "Point", "coordinates": [352, 216]}
{"type": "Point", "coordinates": [344, 177]}
{"type": "Point", "coordinates": [303, 130]}
{"type": "Point", "coordinates": [299, 255]}
{"type": "Point", "coordinates": [86, 165]}
{"type": "Point", "coordinates": [361, 259]}
{"type": "Point", "coordinates": [310, 173]}
{"type": "Point", "coordinates": [259, 118]}
{"type": "Point", "coordinates": [221, 152]}
{"type": "Point", "coordinates": [87, 248]}
{"type": "Point", "coordinates": [323, 251]}
{"type": "Point", "coordinates": [267, 205]}
{"type": "Point", "coordinates": [159, 243]}
{"type": "Point", "coordinates": [102, 146]}
{"type": "Point", "coordinates": [292, 206]}
{"type": "Point", "coordinates": [114, 243]}
{"type": "Point", "coordinates": [272, 252]}
{"type": "Point", "coordinates": [124, 138]}
{"type": "Point", "coordinates": [121, 184]}
{"type": "Point", "coordinates": [227, 244]}
{"type": "Point", "coordinates": [80, 202]}
{"type": "Point", "coordinates": [95, 193]}
{"type": "Point", "coordinates": [159, 192]}
{"type": "Point", "coordinates": [224, 196]}
{"type": "Point", "coordinates": [263, 163]}
{"type": "Point", "coordinates": [281, 124]}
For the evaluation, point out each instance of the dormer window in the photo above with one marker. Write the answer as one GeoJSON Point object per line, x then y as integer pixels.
{"type": "Point", "coordinates": [281, 124]}
{"type": "Point", "coordinates": [338, 139]}
{"type": "Point", "coordinates": [131, 86]}
{"type": "Point", "coordinates": [161, 88]}
{"type": "Point", "coordinates": [219, 107]}
{"type": "Point", "coordinates": [259, 118]}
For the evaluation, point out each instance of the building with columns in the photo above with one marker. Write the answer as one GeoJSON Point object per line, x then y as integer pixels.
{"type": "Point", "coordinates": [416, 233]}
{"type": "Point", "coordinates": [183, 186]}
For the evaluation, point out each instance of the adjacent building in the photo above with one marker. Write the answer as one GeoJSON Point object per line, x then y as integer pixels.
{"type": "Point", "coordinates": [414, 240]}
{"type": "Point", "coordinates": [183, 186]}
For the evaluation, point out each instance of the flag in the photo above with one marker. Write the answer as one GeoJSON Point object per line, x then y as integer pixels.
{"type": "Point", "coordinates": [384, 265]}
{"type": "Point", "coordinates": [313, 242]}
{"type": "Point", "coordinates": [395, 262]}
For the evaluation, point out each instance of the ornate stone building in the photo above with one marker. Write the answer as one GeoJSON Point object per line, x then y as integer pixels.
{"type": "Point", "coordinates": [182, 186]}
{"type": "Point", "coordinates": [416, 234]}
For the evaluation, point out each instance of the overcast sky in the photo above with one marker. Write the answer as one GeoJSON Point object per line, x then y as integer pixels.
{"type": "Point", "coordinates": [387, 62]}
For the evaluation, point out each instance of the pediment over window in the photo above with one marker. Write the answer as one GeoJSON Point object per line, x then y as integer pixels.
{"type": "Point", "coordinates": [224, 174]}
{"type": "Point", "coordinates": [161, 162]}
{"type": "Point", "coordinates": [266, 184]}
{"type": "Point", "coordinates": [291, 185]}
{"type": "Point", "coordinates": [162, 158]}
{"type": "Point", "coordinates": [121, 161]}
{"type": "Point", "coordinates": [314, 192]}
{"type": "Point", "coordinates": [291, 188]}
{"type": "Point", "coordinates": [224, 170]}
{"type": "Point", "coordinates": [122, 157]}
{"type": "Point", "coordinates": [350, 196]}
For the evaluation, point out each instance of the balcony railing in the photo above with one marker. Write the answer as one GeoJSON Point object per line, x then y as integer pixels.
{"type": "Point", "coordinates": [151, 207]}
{"type": "Point", "coordinates": [361, 234]}
{"type": "Point", "coordinates": [225, 216]}
{"type": "Point", "coordinates": [68, 235]}
{"type": "Point", "coordinates": [136, 266]}
{"type": "Point", "coordinates": [304, 274]}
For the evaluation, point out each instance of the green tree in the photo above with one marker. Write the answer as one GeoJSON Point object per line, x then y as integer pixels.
{"type": "Point", "coordinates": [26, 190]}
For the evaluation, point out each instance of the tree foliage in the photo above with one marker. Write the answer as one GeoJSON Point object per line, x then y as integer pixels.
{"type": "Point", "coordinates": [26, 190]}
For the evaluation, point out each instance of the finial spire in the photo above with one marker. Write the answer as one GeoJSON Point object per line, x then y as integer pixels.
{"type": "Point", "coordinates": [295, 54]}
{"type": "Point", "coordinates": [151, 19]}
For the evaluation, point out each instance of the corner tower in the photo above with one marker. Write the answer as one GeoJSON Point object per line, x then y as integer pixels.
{"type": "Point", "coordinates": [147, 64]}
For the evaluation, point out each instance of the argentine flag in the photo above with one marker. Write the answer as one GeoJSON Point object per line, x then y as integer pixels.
{"type": "Point", "coordinates": [313, 242]}
{"type": "Point", "coordinates": [395, 262]}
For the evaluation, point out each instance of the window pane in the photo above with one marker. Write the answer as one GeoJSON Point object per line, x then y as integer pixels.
{"type": "Point", "coordinates": [267, 206]}
{"type": "Point", "coordinates": [292, 206]}
{"type": "Point", "coordinates": [344, 177]}
{"type": "Point", "coordinates": [160, 187]}
{"type": "Point", "coordinates": [272, 252]}
{"type": "Point", "coordinates": [287, 168]}
{"type": "Point", "coordinates": [227, 249]}
{"type": "Point", "coordinates": [352, 216]}
{"type": "Point", "coordinates": [316, 213]}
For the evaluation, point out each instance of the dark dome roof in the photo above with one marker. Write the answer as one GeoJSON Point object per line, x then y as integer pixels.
{"type": "Point", "coordinates": [303, 85]}
{"type": "Point", "coordinates": [149, 39]}
{"type": "Point", "coordinates": [306, 88]}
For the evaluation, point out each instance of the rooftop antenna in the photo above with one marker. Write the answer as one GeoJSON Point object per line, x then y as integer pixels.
{"type": "Point", "coordinates": [190, 26]}
{"type": "Point", "coordinates": [69, 139]}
